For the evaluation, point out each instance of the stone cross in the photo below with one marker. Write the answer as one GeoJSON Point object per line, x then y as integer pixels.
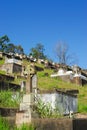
{"type": "Point", "coordinates": [30, 73]}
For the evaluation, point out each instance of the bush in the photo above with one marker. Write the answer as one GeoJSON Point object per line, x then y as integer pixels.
{"type": "Point", "coordinates": [46, 111]}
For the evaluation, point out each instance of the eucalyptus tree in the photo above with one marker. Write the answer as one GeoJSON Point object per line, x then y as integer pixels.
{"type": "Point", "coordinates": [3, 40]}
{"type": "Point", "coordinates": [10, 48]}
{"type": "Point", "coordinates": [7, 47]}
{"type": "Point", "coordinates": [38, 51]}
{"type": "Point", "coordinates": [19, 49]}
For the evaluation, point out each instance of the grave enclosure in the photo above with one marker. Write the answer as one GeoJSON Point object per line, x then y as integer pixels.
{"type": "Point", "coordinates": [66, 101]}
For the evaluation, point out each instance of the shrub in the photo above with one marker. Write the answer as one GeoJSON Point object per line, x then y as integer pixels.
{"type": "Point", "coordinates": [45, 110]}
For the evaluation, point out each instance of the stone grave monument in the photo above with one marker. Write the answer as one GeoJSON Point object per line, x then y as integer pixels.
{"type": "Point", "coordinates": [25, 113]}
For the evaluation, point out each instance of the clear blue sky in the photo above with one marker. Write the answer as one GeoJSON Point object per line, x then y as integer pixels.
{"type": "Point", "coordinates": [28, 22]}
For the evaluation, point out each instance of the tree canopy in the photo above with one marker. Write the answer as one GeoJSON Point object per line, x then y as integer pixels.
{"type": "Point", "coordinates": [38, 51]}
{"type": "Point", "coordinates": [6, 46]}
{"type": "Point", "coordinates": [3, 40]}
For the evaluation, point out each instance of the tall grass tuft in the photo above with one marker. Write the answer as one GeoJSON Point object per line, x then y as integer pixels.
{"type": "Point", "coordinates": [8, 99]}
{"type": "Point", "coordinates": [4, 125]}
{"type": "Point", "coordinates": [26, 127]}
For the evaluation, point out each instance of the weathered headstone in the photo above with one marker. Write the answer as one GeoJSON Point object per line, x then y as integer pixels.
{"type": "Point", "coordinates": [25, 112]}
{"type": "Point", "coordinates": [30, 73]}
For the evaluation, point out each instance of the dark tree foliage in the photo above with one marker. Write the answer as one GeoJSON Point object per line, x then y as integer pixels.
{"type": "Point", "coordinates": [19, 49]}
{"type": "Point", "coordinates": [3, 40]}
{"type": "Point", "coordinates": [7, 47]}
{"type": "Point", "coordinates": [38, 51]}
{"type": "Point", "coordinates": [10, 48]}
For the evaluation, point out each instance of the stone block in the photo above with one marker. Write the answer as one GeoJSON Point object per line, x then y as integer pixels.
{"type": "Point", "coordinates": [27, 98]}
{"type": "Point", "coordinates": [24, 106]}
{"type": "Point", "coordinates": [22, 117]}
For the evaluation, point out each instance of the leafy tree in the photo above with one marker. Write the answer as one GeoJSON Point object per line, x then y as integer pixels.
{"type": "Point", "coordinates": [19, 49]}
{"type": "Point", "coordinates": [3, 40]}
{"type": "Point", "coordinates": [10, 48]}
{"type": "Point", "coordinates": [38, 51]}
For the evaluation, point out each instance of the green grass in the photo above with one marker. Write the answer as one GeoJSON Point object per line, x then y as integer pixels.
{"type": "Point", "coordinates": [5, 125]}
{"type": "Point", "coordinates": [2, 72]}
{"type": "Point", "coordinates": [26, 127]}
{"type": "Point", "coordinates": [48, 83]}
{"type": "Point", "coordinates": [2, 61]}
{"type": "Point", "coordinates": [8, 100]}
{"type": "Point", "coordinates": [82, 107]}
{"type": "Point", "coordinates": [18, 80]}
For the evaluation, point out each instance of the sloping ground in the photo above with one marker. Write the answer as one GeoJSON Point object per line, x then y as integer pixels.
{"type": "Point", "coordinates": [48, 83]}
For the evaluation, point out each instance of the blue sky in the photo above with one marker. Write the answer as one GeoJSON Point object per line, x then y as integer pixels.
{"type": "Point", "coordinates": [28, 22]}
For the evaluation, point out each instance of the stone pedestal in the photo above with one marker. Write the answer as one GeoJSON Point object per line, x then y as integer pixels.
{"type": "Point", "coordinates": [25, 113]}
{"type": "Point", "coordinates": [22, 117]}
{"type": "Point", "coordinates": [28, 100]}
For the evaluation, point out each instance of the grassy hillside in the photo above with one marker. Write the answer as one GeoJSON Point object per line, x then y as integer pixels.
{"type": "Point", "coordinates": [46, 82]}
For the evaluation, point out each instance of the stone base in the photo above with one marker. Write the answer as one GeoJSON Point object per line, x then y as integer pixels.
{"type": "Point", "coordinates": [24, 106]}
{"type": "Point", "coordinates": [25, 113]}
{"type": "Point", "coordinates": [22, 117]}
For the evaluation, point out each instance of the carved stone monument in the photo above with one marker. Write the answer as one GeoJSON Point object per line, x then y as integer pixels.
{"type": "Point", "coordinates": [30, 73]}
{"type": "Point", "coordinates": [25, 113]}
